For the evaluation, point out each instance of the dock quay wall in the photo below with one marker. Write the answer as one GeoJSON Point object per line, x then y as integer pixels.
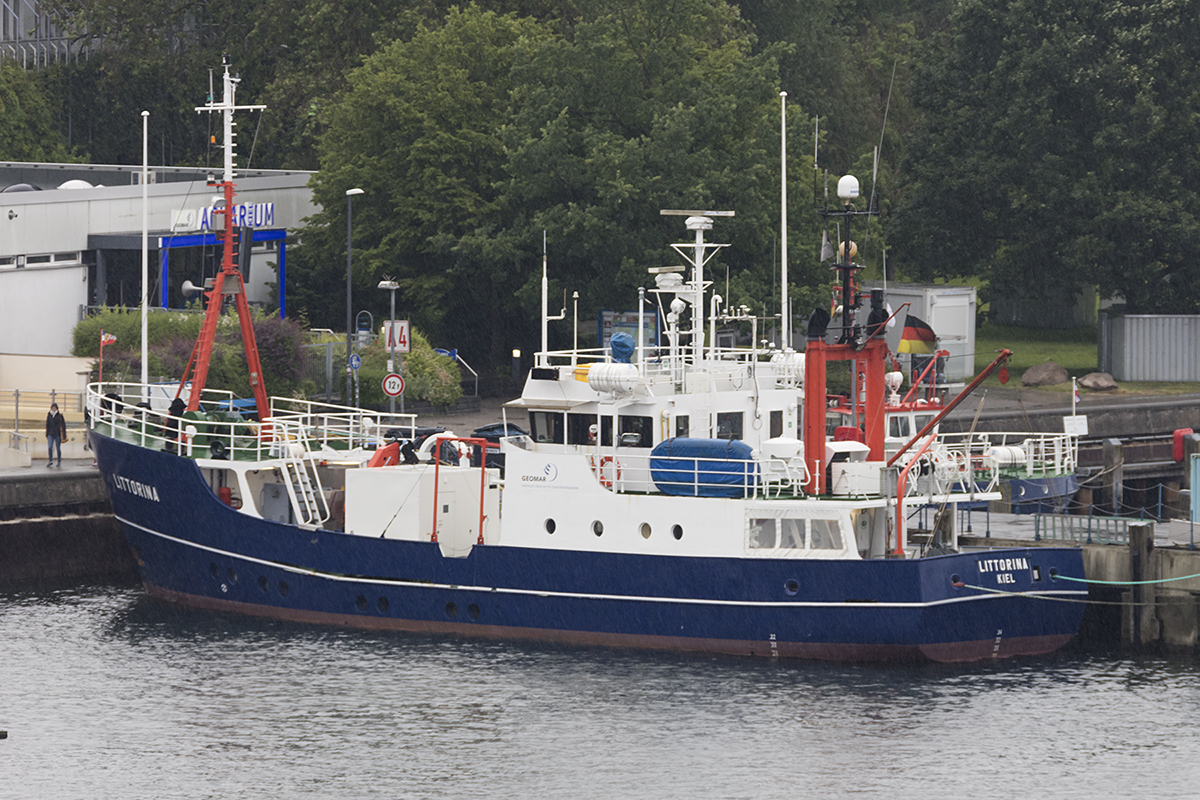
{"type": "Point", "coordinates": [1115, 419]}
{"type": "Point", "coordinates": [57, 529]}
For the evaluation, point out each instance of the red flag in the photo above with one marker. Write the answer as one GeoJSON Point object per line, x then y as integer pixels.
{"type": "Point", "coordinates": [918, 337]}
{"type": "Point", "coordinates": [107, 338]}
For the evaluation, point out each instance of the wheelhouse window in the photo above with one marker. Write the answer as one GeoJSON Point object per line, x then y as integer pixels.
{"type": "Point", "coordinates": [898, 427]}
{"type": "Point", "coordinates": [546, 427]}
{"type": "Point", "coordinates": [580, 428]}
{"type": "Point", "coordinates": [637, 431]}
{"type": "Point", "coordinates": [729, 425]}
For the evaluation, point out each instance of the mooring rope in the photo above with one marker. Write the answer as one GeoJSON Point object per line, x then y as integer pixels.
{"type": "Point", "coordinates": [1125, 583]}
{"type": "Point", "coordinates": [1035, 596]}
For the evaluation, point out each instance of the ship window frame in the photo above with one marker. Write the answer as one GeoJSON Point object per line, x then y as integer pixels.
{"type": "Point", "coordinates": [682, 426]}
{"type": "Point", "coordinates": [642, 426]}
{"type": "Point", "coordinates": [733, 421]}
{"type": "Point", "coordinates": [555, 423]}
{"type": "Point", "coordinates": [817, 538]}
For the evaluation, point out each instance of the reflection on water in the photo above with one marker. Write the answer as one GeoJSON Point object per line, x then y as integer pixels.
{"type": "Point", "coordinates": [108, 694]}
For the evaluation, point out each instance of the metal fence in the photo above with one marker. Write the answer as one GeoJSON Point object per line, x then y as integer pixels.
{"type": "Point", "coordinates": [1086, 530]}
{"type": "Point", "coordinates": [32, 407]}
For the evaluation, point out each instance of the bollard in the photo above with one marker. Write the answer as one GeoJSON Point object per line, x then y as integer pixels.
{"type": "Point", "coordinates": [1142, 620]}
{"type": "Point", "coordinates": [1114, 472]}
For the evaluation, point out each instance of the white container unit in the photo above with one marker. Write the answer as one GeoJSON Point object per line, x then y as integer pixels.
{"type": "Point", "coordinates": [949, 310]}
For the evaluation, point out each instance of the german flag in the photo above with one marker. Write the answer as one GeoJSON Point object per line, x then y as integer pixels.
{"type": "Point", "coordinates": [918, 337]}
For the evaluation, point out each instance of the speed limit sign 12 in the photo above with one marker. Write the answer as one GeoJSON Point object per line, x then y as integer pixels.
{"type": "Point", "coordinates": [393, 385]}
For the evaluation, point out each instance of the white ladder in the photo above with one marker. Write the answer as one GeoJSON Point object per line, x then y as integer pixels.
{"type": "Point", "coordinates": [303, 483]}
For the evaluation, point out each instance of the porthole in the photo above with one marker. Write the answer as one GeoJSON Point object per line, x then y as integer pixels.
{"type": "Point", "coordinates": [473, 611]}
{"type": "Point", "coordinates": [550, 526]}
{"type": "Point", "coordinates": [645, 529]}
{"type": "Point", "coordinates": [262, 583]}
{"type": "Point", "coordinates": [232, 575]}
{"type": "Point", "coordinates": [361, 602]}
{"type": "Point", "coordinates": [212, 570]}
{"type": "Point", "coordinates": [283, 588]}
{"type": "Point", "coordinates": [382, 604]}
{"type": "Point", "coordinates": [451, 610]}
{"type": "Point", "coordinates": [677, 531]}
{"type": "Point", "coordinates": [792, 587]}
{"type": "Point", "coordinates": [598, 527]}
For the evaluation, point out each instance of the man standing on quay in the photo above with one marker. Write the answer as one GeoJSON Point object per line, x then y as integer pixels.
{"type": "Point", "coordinates": [56, 431]}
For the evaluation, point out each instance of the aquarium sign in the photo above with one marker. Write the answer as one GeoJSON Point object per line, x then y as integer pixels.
{"type": "Point", "coordinates": [245, 215]}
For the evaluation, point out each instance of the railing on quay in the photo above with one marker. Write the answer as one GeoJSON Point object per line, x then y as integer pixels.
{"type": "Point", "coordinates": [37, 405]}
{"type": "Point", "coordinates": [18, 442]}
{"type": "Point", "coordinates": [1085, 530]}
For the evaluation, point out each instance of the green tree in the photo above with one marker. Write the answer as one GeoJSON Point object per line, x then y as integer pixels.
{"type": "Point", "coordinates": [659, 104]}
{"type": "Point", "coordinates": [27, 130]}
{"type": "Point", "coordinates": [419, 132]}
{"type": "Point", "coordinates": [1058, 150]}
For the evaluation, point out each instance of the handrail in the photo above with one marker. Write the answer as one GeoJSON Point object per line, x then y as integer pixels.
{"type": "Point", "coordinates": [324, 426]}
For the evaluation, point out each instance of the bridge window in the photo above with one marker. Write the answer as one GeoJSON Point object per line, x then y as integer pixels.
{"type": "Point", "coordinates": [546, 427]}
{"type": "Point", "coordinates": [637, 432]}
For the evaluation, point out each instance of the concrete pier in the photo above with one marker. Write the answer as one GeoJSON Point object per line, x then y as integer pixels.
{"type": "Point", "coordinates": [57, 529]}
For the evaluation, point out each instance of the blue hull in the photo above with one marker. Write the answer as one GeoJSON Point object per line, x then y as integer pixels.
{"type": "Point", "coordinates": [193, 549]}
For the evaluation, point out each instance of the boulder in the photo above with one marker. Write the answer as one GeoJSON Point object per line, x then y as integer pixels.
{"type": "Point", "coordinates": [1047, 374]}
{"type": "Point", "coordinates": [1098, 382]}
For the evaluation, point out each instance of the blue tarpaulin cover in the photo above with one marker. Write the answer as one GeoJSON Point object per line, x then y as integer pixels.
{"type": "Point", "coordinates": [678, 467]}
{"type": "Point", "coordinates": [622, 345]}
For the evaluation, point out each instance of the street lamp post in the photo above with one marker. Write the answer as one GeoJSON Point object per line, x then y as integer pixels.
{"type": "Point", "coordinates": [390, 285]}
{"type": "Point", "coordinates": [349, 320]}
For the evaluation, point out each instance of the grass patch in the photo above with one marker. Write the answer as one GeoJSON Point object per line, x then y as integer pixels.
{"type": "Point", "coordinates": [1075, 350]}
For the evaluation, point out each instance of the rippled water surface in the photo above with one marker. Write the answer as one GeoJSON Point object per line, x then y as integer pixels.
{"type": "Point", "coordinates": [108, 694]}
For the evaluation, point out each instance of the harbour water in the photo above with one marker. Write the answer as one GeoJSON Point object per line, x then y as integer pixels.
{"type": "Point", "coordinates": [106, 693]}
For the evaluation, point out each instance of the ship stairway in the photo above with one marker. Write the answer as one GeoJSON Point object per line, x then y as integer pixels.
{"type": "Point", "coordinates": [307, 496]}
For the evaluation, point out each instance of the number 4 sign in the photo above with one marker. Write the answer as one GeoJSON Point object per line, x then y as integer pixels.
{"type": "Point", "coordinates": [401, 341]}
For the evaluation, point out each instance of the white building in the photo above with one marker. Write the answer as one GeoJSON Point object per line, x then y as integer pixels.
{"type": "Point", "coordinates": [71, 239]}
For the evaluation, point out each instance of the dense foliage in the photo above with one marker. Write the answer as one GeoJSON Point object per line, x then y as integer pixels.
{"type": "Point", "coordinates": [170, 341]}
{"type": "Point", "coordinates": [1039, 148]}
{"type": "Point", "coordinates": [1059, 151]}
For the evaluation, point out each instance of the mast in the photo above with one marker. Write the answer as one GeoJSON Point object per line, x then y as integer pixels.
{"type": "Point", "coordinates": [228, 280]}
{"type": "Point", "coordinates": [785, 342]}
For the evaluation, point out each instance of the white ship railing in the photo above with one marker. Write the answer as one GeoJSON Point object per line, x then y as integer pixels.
{"type": "Point", "coordinates": [120, 410]}
{"type": "Point", "coordinates": [962, 461]}
{"type": "Point", "coordinates": [631, 473]}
